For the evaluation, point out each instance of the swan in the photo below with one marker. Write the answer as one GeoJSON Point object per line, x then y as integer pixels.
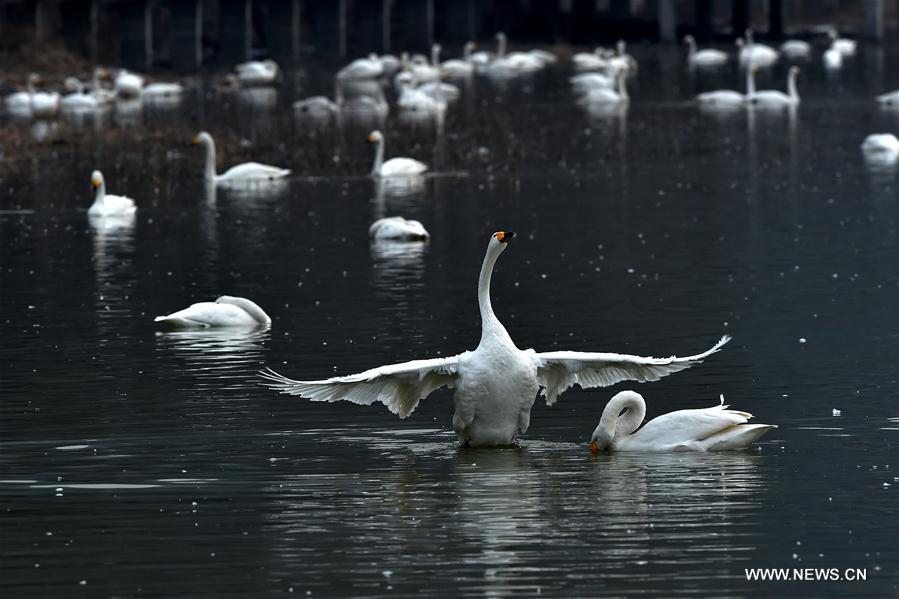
{"type": "Point", "coordinates": [459, 68]}
{"type": "Point", "coordinates": [833, 58]}
{"type": "Point", "coordinates": [495, 384]}
{"type": "Point", "coordinates": [704, 58]}
{"type": "Point", "coordinates": [247, 172]}
{"type": "Point", "coordinates": [395, 167]}
{"type": "Point", "coordinates": [889, 98]}
{"type": "Point", "coordinates": [226, 311]}
{"type": "Point", "coordinates": [128, 84]}
{"type": "Point", "coordinates": [103, 95]}
{"type": "Point", "coordinates": [602, 95]}
{"type": "Point", "coordinates": [482, 58]}
{"type": "Point", "coordinates": [622, 59]}
{"type": "Point", "coordinates": [844, 46]}
{"type": "Point", "coordinates": [584, 82]}
{"type": "Point", "coordinates": [412, 99]}
{"type": "Point", "coordinates": [514, 63]}
{"type": "Point", "coordinates": [773, 98]}
{"type": "Point", "coordinates": [257, 72]}
{"type": "Point", "coordinates": [547, 58]}
{"type": "Point", "coordinates": [881, 143]}
{"type": "Point", "coordinates": [362, 68]}
{"type": "Point", "coordinates": [440, 91]}
{"type": "Point", "coordinates": [424, 71]}
{"type": "Point", "coordinates": [397, 228]}
{"type": "Point", "coordinates": [752, 54]}
{"type": "Point", "coordinates": [390, 63]}
{"type": "Point", "coordinates": [727, 98]}
{"type": "Point", "coordinates": [316, 107]}
{"type": "Point", "coordinates": [708, 429]}
{"type": "Point", "coordinates": [796, 49]}
{"type": "Point", "coordinates": [78, 100]}
{"type": "Point", "coordinates": [162, 90]}
{"type": "Point", "coordinates": [597, 60]}
{"type": "Point", "coordinates": [108, 205]}
{"type": "Point", "coordinates": [32, 102]}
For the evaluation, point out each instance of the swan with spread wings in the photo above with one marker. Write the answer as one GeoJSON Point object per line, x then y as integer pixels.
{"type": "Point", "coordinates": [495, 384]}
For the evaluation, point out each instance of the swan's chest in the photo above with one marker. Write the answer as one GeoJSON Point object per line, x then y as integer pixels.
{"type": "Point", "coordinates": [498, 367]}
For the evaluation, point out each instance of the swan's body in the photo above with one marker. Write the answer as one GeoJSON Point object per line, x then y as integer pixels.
{"type": "Point", "coordinates": [248, 172]}
{"type": "Point", "coordinates": [881, 143]}
{"type": "Point", "coordinates": [752, 54]}
{"type": "Point", "coordinates": [440, 91]}
{"type": "Point", "coordinates": [833, 58]}
{"type": "Point", "coordinates": [395, 167]}
{"type": "Point", "coordinates": [591, 61]}
{"type": "Point", "coordinates": [397, 228]}
{"type": "Point", "coordinates": [585, 82]}
{"type": "Point", "coordinates": [459, 68]}
{"type": "Point", "coordinates": [226, 311]}
{"type": "Point", "coordinates": [106, 204]}
{"type": "Point", "coordinates": [726, 98]}
{"type": "Point", "coordinates": [708, 429]}
{"type": "Point", "coordinates": [495, 384]}
{"type": "Point", "coordinates": [128, 84]}
{"type": "Point", "coordinates": [362, 68]}
{"type": "Point", "coordinates": [771, 98]}
{"type": "Point", "coordinates": [316, 107]}
{"type": "Point", "coordinates": [844, 46]}
{"type": "Point", "coordinates": [257, 72]}
{"type": "Point", "coordinates": [513, 63]}
{"type": "Point", "coordinates": [601, 95]}
{"type": "Point", "coordinates": [704, 58]}
{"type": "Point", "coordinates": [162, 90]}
{"type": "Point", "coordinates": [796, 49]}
{"type": "Point", "coordinates": [78, 100]}
{"type": "Point", "coordinates": [889, 98]}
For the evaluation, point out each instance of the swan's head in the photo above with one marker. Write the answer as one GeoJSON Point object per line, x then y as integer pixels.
{"type": "Point", "coordinates": [500, 37]}
{"type": "Point", "coordinates": [96, 179]}
{"type": "Point", "coordinates": [795, 71]}
{"type": "Point", "coordinates": [689, 39]}
{"type": "Point", "coordinates": [375, 136]}
{"type": "Point", "coordinates": [201, 138]}
{"type": "Point", "coordinates": [600, 439]}
{"type": "Point", "coordinates": [499, 240]}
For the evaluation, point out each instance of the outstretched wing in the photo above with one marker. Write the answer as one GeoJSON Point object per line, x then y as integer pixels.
{"type": "Point", "coordinates": [398, 386]}
{"type": "Point", "coordinates": [559, 371]}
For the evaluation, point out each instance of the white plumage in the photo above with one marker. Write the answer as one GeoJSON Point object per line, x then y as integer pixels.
{"type": "Point", "coordinates": [496, 384]}
{"type": "Point", "coordinates": [889, 98]}
{"type": "Point", "coordinates": [704, 58]}
{"type": "Point", "coordinates": [397, 228]}
{"type": "Point", "coordinates": [708, 429]}
{"type": "Point", "coordinates": [772, 98]}
{"type": "Point", "coordinates": [226, 311]}
{"type": "Point", "coordinates": [241, 174]}
{"type": "Point", "coordinates": [257, 72]}
{"type": "Point", "coordinates": [128, 84]}
{"type": "Point", "coordinates": [395, 167]}
{"type": "Point", "coordinates": [881, 143]}
{"type": "Point", "coordinates": [107, 204]}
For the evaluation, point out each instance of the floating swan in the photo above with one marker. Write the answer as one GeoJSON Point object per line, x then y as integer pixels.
{"type": "Point", "coordinates": [317, 108]}
{"type": "Point", "coordinates": [482, 58]}
{"type": "Point", "coordinates": [32, 102]}
{"type": "Point", "coordinates": [773, 98]}
{"type": "Point", "coordinates": [833, 58]}
{"type": "Point", "coordinates": [495, 384]}
{"type": "Point", "coordinates": [796, 49]}
{"type": "Point", "coordinates": [622, 59]}
{"type": "Point", "coordinates": [108, 205]}
{"type": "Point", "coordinates": [584, 82]}
{"type": "Point", "coordinates": [226, 311]}
{"type": "Point", "coordinates": [602, 95]}
{"type": "Point", "coordinates": [704, 58]}
{"type": "Point", "coordinates": [597, 60]}
{"type": "Point", "coordinates": [708, 429]}
{"type": "Point", "coordinates": [727, 98]}
{"type": "Point", "coordinates": [247, 172]}
{"type": "Point", "coordinates": [20, 101]}
{"type": "Point", "coordinates": [395, 167]}
{"type": "Point", "coordinates": [844, 46]}
{"type": "Point", "coordinates": [257, 72]}
{"type": "Point", "coordinates": [752, 54]}
{"type": "Point", "coordinates": [78, 100]}
{"type": "Point", "coordinates": [128, 84]}
{"type": "Point", "coordinates": [397, 228]}
{"type": "Point", "coordinates": [362, 68]}
{"type": "Point", "coordinates": [459, 68]}
{"type": "Point", "coordinates": [881, 143]}
{"type": "Point", "coordinates": [889, 98]}
{"type": "Point", "coordinates": [161, 90]}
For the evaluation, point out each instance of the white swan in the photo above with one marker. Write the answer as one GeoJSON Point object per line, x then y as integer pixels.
{"type": "Point", "coordinates": [32, 102]}
{"type": "Point", "coordinates": [881, 143]}
{"type": "Point", "coordinates": [397, 228]}
{"type": "Point", "coordinates": [395, 167]}
{"type": "Point", "coordinates": [727, 98]}
{"type": "Point", "coordinates": [796, 49]}
{"type": "Point", "coordinates": [584, 82]}
{"type": "Point", "coordinates": [513, 63]}
{"type": "Point", "coordinates": [369, 67]}
{"type": "Point", "coordinates": [162, 90]}
{"type": "Point", "coordinates": [459, 68]}
{"type": "Point", "coordinates": [482, 58]}
{"type": "Point", "coordinates": [495, 384]}
{"type": "Point", "coordinates": [602, 95]}
{"type": "Point", "coordinates": [889, 98]}
{"type": "Point", "coordinates": [247, 172]}
{"type": "Point", "coordinates": [844, 46]}
{"type": "Point", "coordinates": [621, 59]}
{"type": "Point", "coordinates": [422, 70]}
{"type": "Point", "coordinates": [78, 100]}
{"type": "Point", "coordinates": [316, 108]}
{"type": "Point", "coordinates": [597, 60]}
{"type": "Point", "coordinates": [752, 54]}
{"type": "Point", "coordinates": [833, 58]}
{"type": "Point", "coordinates": [128, 84]}
{"type": "Point", "coordinates": [105, 204]}
{"type": "Point", "coordinates": [226, 311]}
{"type": "Point", "coordinates": [704, 58]}
{"type": "Point", "coordinates": [708, 429]}
{"type": "Point", "coordinates": [20, 102]}
{"type": "Point", "coordinates": [257, 72]}
{"type": "Point", "coordinates": [772, 98]}
{"type": "Point", "coordinates": [104, 96]}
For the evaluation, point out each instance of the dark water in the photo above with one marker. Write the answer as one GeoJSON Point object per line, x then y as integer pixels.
{"type": "Point", "coordinates": [135, 462]}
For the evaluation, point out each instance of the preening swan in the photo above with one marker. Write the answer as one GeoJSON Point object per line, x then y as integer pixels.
{"type": "Point", "coordinates": [772, 98]}
{"type": "Point", "coordinates": [708, 429]}
{"type": "Point", "coordinates": [248, 172]}
{"type": "Point", "coordinates": [881, 143]}
{"type": "Point", "coordinates": [108, 205]}
{"type": "Point", "coordinates": [704, 58]}
{"type": "Point", "coordinates": [397, 228]}
{"type": "Point", "coordinates": [495, 384]}
{"type": "Point", "coordinates": [844, 46]}
{"type": "Point", "coordinates": [226, 311]}
{"type": "Point", "coordinates": [257, 72]}
{"type": "Point", "coordinates": [395, 167]}
{"type": "Point", "coordinates": [796, 49]}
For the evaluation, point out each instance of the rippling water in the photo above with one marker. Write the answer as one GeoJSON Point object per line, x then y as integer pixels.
{"type": "Point", "coordinates": [140, 462]}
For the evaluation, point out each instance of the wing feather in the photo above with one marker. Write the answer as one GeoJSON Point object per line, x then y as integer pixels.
{"type": "Point", "coordinates": [398, 386]}
{"type": "Point", "coordinates": [559, 371]}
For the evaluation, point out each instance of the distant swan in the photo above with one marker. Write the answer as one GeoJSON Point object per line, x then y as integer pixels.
{"type": "Point", "coordinates": [752, 54]}
{"type": "Point", "coordinates": [257, 72]}
{"type": "Point", "coordinates": [226, 311]}
{"type": "Point", "coordinates": [496, 384]}
{"type": "Point", "coordinates": [727, 98]}
{"type": "Point", "coordinates": [78, 100]}
{"type": "Point", "coordinates": [247, 172]}
{"type": "Point", "coordinates": [128, 84]}
{"type": "Point", "coordinates": [369, 67]}
{"type": "Point", "coordinates": [459, 68]}
{"type": "Point", "coordinates": [833, 58]}
{"type": "Point", "coordinates": [889, 98]}
{"type": "Point", "coordinates": [602, 95]}
{"type": "Point", "coordinates": [395, 167]}
{"type": "Point", "coordinates": [397, 228]}
{"type": "Point", "coordinates": [881, 143]}
{"type": "Point", "coordinates": [773, 98]}
{"type": "Point", "coordinates": [708, 429]}
{"type": "Point", "coordinates": [844, 46]}
{"type": "Point", "coordinates": [704, 58]}
{"type": "Point", "coordinates": [105, 204]}
{"type": "Point", "coordinates": [796, 49]}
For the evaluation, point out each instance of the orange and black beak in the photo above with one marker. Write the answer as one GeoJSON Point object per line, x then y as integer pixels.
{"type": "Point", "coordinates": [95, 183]}
{"type": "Point", "coordinates": [504, 236]}
{"type": "Point", "coordinates": [194, 141]}
{"type": "Point", "coordinates": [594, 448]}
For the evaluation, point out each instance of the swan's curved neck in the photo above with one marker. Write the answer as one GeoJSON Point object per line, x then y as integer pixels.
{"type": "Point", "coordinates": [490, 324]}
{"type": "Point", "coordinates": [379, 157]}
{"type": "Point", "coordinates": [501, 46]}
{"type": "Point", "coordinates": [435, 55]}
{"type": "Point", "coordinates": [30, 86]}
{"type": "Point", "coordinates": [100, 193]}
{"type": "Point", "coordinates": [209, 169]}
{"type": "Point", "coordinates": [691, 47]}
{"type": "Point", "coordinates": [250, 308]}
{"type": "Point", "coordinates": [466, 52]}
{"type": "Point", "coordinates": [750, 82]}
{"type": "Point", "coordinates": [791, 86]}
{"type": "Point", "coordinates": [612, 425]}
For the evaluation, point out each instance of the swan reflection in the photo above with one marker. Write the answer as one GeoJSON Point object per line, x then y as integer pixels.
{"type": "Point", "coordinates": [113, 238]}
{"type": "Point", "coordinates": [224, 357]}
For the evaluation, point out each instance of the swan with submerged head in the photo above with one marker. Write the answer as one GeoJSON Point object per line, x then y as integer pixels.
{"type": "Point", "coordinates": [709, 429]}
{"type": "Point", "coordinates": [495, 384]}
{"type": "Point", "coordinates": [226, 311]}
{"type": "Point", "coordinates": [248, 172]}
